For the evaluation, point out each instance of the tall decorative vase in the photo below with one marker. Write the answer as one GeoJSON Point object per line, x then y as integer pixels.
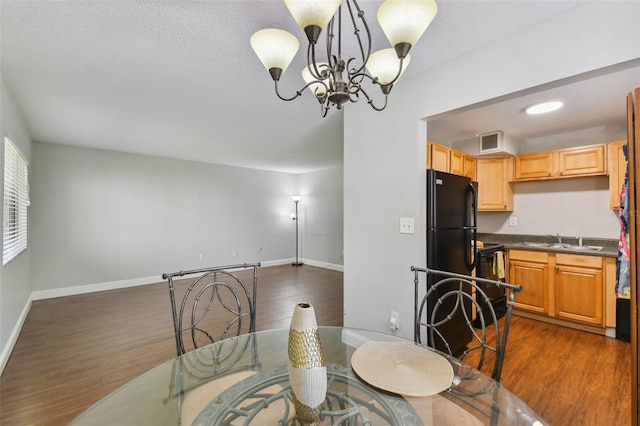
{"type": "Point", "coordinates": [307, 367]}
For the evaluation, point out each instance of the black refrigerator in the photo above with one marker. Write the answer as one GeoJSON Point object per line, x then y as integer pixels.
{"type": "Point", "coordinates": [451, 242]}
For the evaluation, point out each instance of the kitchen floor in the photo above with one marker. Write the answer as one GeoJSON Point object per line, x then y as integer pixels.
{"type": "Point", "coordinates": [570, 377]}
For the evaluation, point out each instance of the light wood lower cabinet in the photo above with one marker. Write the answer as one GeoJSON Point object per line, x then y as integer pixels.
{"type": "Point", "coordinates": [578, 288]}
{"type": "Point", "coordinates": [530, 269]}
{"type": "Point", "coordinates": [561, 286]}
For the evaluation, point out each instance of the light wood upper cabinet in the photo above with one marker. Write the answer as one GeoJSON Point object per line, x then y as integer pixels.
{"type": "Point", "coordinates": [578, 288]}
{"type": "Point", "coordinates": [617, 168]}
{"type": "Point", "coordinates": [495, 187]}
{"type": "Point", "coordinates": [470, 167]}
{"type": "Point", "coordinates": [456, 163]}
{"type": "Point", "coordinates": [438, 157]}
{"type": "Point", "coordinates": [445, 159]}
{"type": "Point", "coordinates": [539, 165]}
{"type": "Point", "coordinates": [582, 161]}
{"type": "Point", "coordinates": [562, 163]}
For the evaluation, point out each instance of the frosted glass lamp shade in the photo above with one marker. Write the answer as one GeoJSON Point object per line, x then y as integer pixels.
{"type": "Point", "coordinates": [312, 12]}
{"type": "Point", "coordinates": [318, 89]}
{"type": "Point", "coordinates": [404, 21]}
{"type": "Point", "coordinates": [384, 64]}
{"type": "Point", "coordinates": [296, 197]}
{"type": "Point", "coordinates": [275, 48]}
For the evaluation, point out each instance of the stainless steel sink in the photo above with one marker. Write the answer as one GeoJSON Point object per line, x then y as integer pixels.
{"type": "Point", "coordinates": [528, 243]}
{"type": "Point", "coordinates": [575, 247]}
{"type": "Point", "coordinates": [581, 248]}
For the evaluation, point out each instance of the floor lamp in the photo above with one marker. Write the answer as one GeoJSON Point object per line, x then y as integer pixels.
{"type": "Point", "coordinates": [295, 199]}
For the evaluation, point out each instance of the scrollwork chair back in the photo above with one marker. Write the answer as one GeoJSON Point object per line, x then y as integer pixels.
{"type": "Point", "coordinates": [459, 296]}
{"type": "Point", "coordinates": [211, 304]}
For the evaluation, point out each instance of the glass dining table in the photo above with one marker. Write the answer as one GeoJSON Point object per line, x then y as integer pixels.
{"type": "Point", "coordinates": [244, 380]}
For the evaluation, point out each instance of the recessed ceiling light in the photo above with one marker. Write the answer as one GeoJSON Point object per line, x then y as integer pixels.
{"type": "Point", "coordinates": [543, 107]}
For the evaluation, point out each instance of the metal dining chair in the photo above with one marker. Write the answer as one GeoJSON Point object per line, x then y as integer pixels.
{"type": "Point", "coordinates": [458, 298]}
{"type": "Point", "coordinates": [211, 305]}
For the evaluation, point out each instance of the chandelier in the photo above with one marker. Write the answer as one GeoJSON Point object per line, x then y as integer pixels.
{"type": "Point", "coordinates": [335, 80]}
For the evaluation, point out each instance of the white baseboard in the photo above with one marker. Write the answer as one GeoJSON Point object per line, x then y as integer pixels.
{"type": "Point", "coordinates": [13, 338]}
{"type": "Point", "coordinates": [325, 265]}
{"type": "Point", "coordinates": [113, 285]}
{"type": "Point", "coordinates": [92, 288]}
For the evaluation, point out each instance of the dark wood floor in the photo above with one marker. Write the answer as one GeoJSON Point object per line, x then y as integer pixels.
{"type": "Point", "coordinates": [75, 350]}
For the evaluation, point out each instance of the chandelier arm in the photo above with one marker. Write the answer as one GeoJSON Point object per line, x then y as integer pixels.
{"type": "Point", "coordinates": [300, 91]}
{"type": "Point", "coordinates": [355, 73]}
{"type": "Point", "coordinates": [319, 73]}
{"type": "Point", "coordinates": [331, 59]}
{"type": "Point", "coordinates": [362, 75]}
{"type": "Point", "coordinates": [340, 31]}
{"type": "Point", "coordinates": [356, 31]}
{"type": "Point", "coordinates": [324, 108]}
{"type": "Point", "coordinates": [370, 100]}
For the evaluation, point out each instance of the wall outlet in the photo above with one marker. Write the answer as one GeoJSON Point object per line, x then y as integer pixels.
{"type": "Point", "coordinates": [201, 256]}
{"type": "Point", "coordinates": [234, 253]}
{"type": "Point", "coordinates": [407, 225]}
{"type": "Point", "coordinates": [394, 320]}
{"type": "Point", "coordinates": [513, 221]}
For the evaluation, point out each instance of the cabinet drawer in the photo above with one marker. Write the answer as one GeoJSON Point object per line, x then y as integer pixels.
{"type": "Point", "coordinates": [529, 255]}
{"type": "Point", "coordinates": [579, 260]}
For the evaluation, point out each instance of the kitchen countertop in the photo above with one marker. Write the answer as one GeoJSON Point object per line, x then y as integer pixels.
{"type": "Point", "coordinates": [516, 241]}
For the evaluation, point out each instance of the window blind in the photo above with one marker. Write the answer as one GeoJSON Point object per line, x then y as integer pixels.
{"type": "Point", "coordinates": [16, 201]}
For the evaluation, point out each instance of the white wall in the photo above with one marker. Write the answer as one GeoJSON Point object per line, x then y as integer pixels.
{"type": "Point", "coordinates": [321, 215]}
{"type": "Point", "coordinates": [107, 217]}
{"type": "Point", "coordinates": [15, 287]}
{"type": "Point", "coordinates": [569, 207]}
{"type": "Point", "coordinates": [384, 153]}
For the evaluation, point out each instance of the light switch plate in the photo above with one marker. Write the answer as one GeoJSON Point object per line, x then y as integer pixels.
{"type": "Point", "coordinates": [407, 225]}
{"type": "Point", "coordinates": [513, 221]}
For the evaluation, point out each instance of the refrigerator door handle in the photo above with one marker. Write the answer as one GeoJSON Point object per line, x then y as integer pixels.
{"type": "Point", "coordinates": [471, 203]}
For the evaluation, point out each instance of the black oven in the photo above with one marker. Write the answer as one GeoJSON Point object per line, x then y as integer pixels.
{"type": "Point", "coordinates": [490, 264]}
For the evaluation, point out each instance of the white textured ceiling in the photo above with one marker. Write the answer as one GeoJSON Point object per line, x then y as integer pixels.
{"type": "Point", "coordinates": [178, 78]}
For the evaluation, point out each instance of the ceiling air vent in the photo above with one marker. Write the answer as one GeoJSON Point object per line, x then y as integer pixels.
{"type": "Point", "coordinates": [496, 144]}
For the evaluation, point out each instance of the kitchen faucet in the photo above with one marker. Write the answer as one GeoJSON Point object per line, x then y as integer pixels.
{"type": "Point", "coordinates": [557, 236]}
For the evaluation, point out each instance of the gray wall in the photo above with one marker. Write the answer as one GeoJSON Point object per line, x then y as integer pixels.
{"type": "Point", "coordinates": [384, 154]}
{"type": "Point", "coordinates": [15, 287]}
{"type": "Point", "coordinates": [102, 216]}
